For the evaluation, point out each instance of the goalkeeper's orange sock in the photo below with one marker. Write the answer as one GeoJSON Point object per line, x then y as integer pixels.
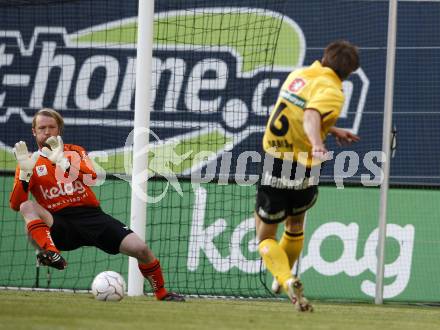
{"type": "Point", "coordinates": [153, 273]}
{"type": "Point", "coordinates": [275, 259]}
{"type": "Point", "coordinates": [40, 233]}
{"type": "Point", "coordinates": [292, 244]}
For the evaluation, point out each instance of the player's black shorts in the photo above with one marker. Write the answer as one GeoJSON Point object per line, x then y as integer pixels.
{"type": "Point", "coordinates": [281, 194]}
{"type": "Point", "coordinates": [274, 205]}
{"type": "Point", "coordinates": [74, 227]}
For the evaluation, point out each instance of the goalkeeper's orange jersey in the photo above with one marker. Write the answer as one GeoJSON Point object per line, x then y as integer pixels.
{"type": "Point", "coordinates": [54, 194]}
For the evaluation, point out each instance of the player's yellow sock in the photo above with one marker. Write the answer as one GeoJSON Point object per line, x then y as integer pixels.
{"type": "Point", "coordinates": [292, 244]}
{"type": "Point", "coordinates": [275, 260]}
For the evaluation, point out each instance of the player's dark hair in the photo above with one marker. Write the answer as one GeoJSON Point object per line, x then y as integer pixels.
{"type": "Point", "coordinates": [342, 57]}
{"type": "Point", "coordinates": [48, 112]}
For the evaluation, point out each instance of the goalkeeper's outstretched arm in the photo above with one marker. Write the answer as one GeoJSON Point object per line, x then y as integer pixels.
{"type": "Point", "coordinates": [20, 192]}
{"type": "Point", "coordinates": [23, 174]}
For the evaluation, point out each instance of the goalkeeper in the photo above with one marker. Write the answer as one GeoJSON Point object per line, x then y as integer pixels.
{"type": "Point", "coordinates": [307, 108]}
{"type": "Point", "coordinates": [66, 214]}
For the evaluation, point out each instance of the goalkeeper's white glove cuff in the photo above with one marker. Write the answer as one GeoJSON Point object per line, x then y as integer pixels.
{"type": "Point", "coordinates": [25, 175]}
{"type": "Point", "coordinates": [64, 164]}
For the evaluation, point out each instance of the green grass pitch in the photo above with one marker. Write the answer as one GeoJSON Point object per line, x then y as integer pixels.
{"type": "Point", "coordinates": [58, 310]}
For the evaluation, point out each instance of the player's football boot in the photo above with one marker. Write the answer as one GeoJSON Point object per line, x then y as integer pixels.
{"type": "Point", "coordinates": [51, 259]}
{"type": "Point", "coordinates": [295, 291]}
{"type": "Point", "coordinates": [172, 296]}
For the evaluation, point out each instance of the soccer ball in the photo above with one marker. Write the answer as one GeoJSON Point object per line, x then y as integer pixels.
{"type": "Point", "coordinates": [108, 286]}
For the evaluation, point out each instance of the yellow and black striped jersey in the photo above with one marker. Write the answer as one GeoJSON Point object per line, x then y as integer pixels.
{"type": "Point", "coordinates": [314, 87]}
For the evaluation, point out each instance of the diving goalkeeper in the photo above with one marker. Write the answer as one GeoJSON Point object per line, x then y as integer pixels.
{"type": "Point", "coordinates": [66, 214]}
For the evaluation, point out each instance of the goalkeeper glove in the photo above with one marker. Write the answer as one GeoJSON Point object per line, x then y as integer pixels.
{"type": "Point", "coordinates": [56, 152]}
{"type": "Point", "coordinates": [25, 161]}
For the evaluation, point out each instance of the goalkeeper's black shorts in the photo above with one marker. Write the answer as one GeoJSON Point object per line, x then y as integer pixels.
{"type": "Point", "coordinates": [74, 227]}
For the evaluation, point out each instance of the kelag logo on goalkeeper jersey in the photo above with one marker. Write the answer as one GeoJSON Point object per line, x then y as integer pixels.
{"type": "Point", "coordinates": [212, 91]}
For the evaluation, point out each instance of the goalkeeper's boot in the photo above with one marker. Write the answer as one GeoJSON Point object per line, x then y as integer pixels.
{"type": "Point", "coordinates": [51, 259]}
{"type": "Point", "coordinates": [276, 287]}
{"type": "Point", "coordinates": [295, 291]}
{"type": "Point", "coordinates": [172, 296]}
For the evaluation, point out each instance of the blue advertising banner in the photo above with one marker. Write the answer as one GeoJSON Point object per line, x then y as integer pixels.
{"type": "Point", "coordinates": [81, 61]}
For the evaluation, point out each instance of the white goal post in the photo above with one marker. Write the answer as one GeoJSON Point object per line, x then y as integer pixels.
{"type": "Point", "coordinates": [386, 148]}
{"type": "Point", "coordinates": [141, 121]}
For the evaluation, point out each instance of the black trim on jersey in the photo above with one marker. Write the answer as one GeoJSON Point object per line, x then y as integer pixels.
{"type": "Point", "coordinates": [301, 233]}
{"type": "Point", "coordinates": [323, 115]}
{"type": "Point", "coordinates": [25, 185]}
{"type": "Point", "coordinates": [326, 114]}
